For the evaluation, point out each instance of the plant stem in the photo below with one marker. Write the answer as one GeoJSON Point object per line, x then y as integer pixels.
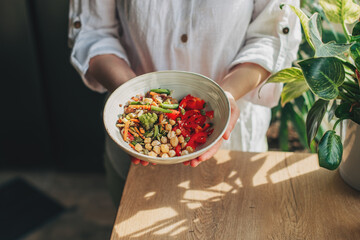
{"type": "Point", "coordinates": [336, 123]}
{"type": "Point", "coordinates": [346, 31]}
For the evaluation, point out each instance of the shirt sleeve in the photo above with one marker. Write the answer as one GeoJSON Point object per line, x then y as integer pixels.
{"type": "Point", "coordinates": [272, 41]}
{"type": "Point", "coordinates": [93, 30]}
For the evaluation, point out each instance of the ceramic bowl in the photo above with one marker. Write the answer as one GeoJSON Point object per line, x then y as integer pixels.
{"type": "Point", "coordinates": [182, 84]}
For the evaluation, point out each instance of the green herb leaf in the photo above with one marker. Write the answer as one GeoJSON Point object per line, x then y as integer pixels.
{"type": "Point", "coordinates": [314, 118]}
{"type": "Point", "coordinates": [323, 75]}
{"type": "Point", "coordinates": [356, 29]}
{"type": "Point", "coordinates": [339, 11]}
{"type": "Point", "coordinates": [161, 91]}
{"type": "Point", "coordinates": [330, 150]}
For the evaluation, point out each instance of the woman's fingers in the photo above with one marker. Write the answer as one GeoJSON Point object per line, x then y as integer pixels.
{"type": "Point", "coordinates": [235, 113]}
{"type": "Point", "coordinates": [210, 153]}
{"type": "Point", "coordinates": [186, 163]}
{"type": "Point", "coordinates": [194, 162]}
{"type": "Point", "coordinates": [144, 163]}
{"type": "Point", "coordinates": [135, 160]}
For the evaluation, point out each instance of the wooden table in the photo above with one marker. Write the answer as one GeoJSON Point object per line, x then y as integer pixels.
{"type": "Point", "coordinates": [237, 195]}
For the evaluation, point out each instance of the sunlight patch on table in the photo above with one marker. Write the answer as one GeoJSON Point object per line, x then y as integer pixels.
{"type": "Point", "coordinates": [169, 228]}
{"type": "Point", "coordinates": [146, 221]}
{"type": "Point", "coordinates": [221, 187]}
{"type": "Point", "coordinates": [194, 205]}
{"type": "Point", "coordinates": [294, 170]}
{"type": "Point", "coordinates": [222, 156]}
{"type": "Point", "coordinates": [201, 195]}
{"type": "Point", "coordinates": [233, 173]}
{"type": "Point", "coordinates": [149, 194]}
{"type": "Point", "coordinates": [257, 157]}
{"type": "Point", "coordinates": [185, 184]}
{"type": "Point", "coordinates": [178, 231]}
{"type": "Point", "coordinates": [262, 175]}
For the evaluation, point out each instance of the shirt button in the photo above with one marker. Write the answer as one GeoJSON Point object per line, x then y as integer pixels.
{"type": "Point", "coordinates": [184, 38]}
{"type": "Point", "coordinates": [77, 24]}
{"type": "Point", "coordinates": [285, 30]}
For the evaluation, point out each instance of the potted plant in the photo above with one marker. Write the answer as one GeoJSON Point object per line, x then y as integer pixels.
{"type": "Point", "coordinates": [332, 74]}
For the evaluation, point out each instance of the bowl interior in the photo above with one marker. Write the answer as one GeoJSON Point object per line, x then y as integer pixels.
{"type": "Point", "coordinates": [182, 84]}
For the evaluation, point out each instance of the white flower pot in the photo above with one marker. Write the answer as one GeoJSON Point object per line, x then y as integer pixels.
{"type": "Point", "coordinates": [350, 165]}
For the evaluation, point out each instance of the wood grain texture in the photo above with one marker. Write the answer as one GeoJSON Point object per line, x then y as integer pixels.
{"type": "Point", "coordinates": [237, 195]}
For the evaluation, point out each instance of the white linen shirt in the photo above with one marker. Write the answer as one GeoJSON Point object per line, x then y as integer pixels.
{"type": "Point", "coordinates": [203, 36]}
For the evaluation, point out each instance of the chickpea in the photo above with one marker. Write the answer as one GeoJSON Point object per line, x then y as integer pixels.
{"type": "Point", "coordinates": [183, 145]}
{"type": "Point", "coordinates": [178, 132]}
{"type": "Point", "coordinates": [132, 115]}
{"type": "Point", "coordinates": [163, 139]}
{"type": "Point", "coordinates": [174, 141]}
{"type": "Point", "coordinates": [138, 147]}
{"type": "Point", "coordinates": [164, 155]}
{"type": "Point", "coordinates": [172, 153]}
{"type": "Point", "coordinates": [156, 149]}
{"type": "Point", "coordinates": [168, 127]}
{"type": "Point", "coordinates": [172, 122]}
{"type": "Point", "coordinates": [148, 100]}
{"type": "Point", "coordinates": [155, 143]}
{"type": "Point", "coordinates": [159, 99]}
{"type": "Point", "coordinates": [181, 139]}
{"type": "Point", "coordinates": [184, 152]}
{"type": "Point", "coordinates": [164, 148]}
{"type": "Point", "coordinates": [152, 154]}
{"type": "Point", "coordinates": [148, 146]}
{"type": "Point", "coordinates": [147, 140]}
{"type": "Point", "coordinates": [189, 149]}
{"type": "Point", "coordinates": [171, 134]}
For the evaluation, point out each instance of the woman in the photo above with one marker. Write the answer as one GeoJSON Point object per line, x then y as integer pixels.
{"type": "Point", "coordinates": [237, 43]}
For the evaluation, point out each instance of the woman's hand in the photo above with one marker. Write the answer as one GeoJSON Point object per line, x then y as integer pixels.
{"type": "Point", "coordinates": [137, 161]}
{"type": "Point", "coordinates": [235, 112]}
{"type": "Point", "coordinates": [239, 81]}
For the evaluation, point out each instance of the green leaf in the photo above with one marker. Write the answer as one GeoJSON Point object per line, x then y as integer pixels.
{"type": "Point", "coordinates": [356, 29]}
{"type": "Point", "coordinates": [357, 63]}
{"type": "Point", "coordinates": [315, 30]}
{"type": "Point", "coordinates": [293, 90]}
{"type": "Point", "coordinates": [284, 132]}
{"type": "Point", "coordinates": [355, 38]}
{"type": "Point", "coordinates": [355, 50]}
{"type": "Point", "coordinates": [304, 20]}
{"type": "Point", "coordinates": [329, 49]}
{"type": "Point", "coordinates": [298, 123]}
{"type": "Point", "coordinates": [314, 118]}
{"type": "Point", "coordinates": [331, 112]}
{"type": "Point", "coordinates": [295, 83]}
{"type": "Point", "coordinates": [286, 75]}
{"type": "Point", "coordinates": [345, 111]}
{"type": "Point", "coordinates": [339, 11]}
{"type": "Point", "coordinates": [323, 75]}
{"type": "Point", "coordinates": [330, 150]}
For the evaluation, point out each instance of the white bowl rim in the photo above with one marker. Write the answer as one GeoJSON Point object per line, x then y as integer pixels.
{"type": "Point", "coordinates": [176, 159]}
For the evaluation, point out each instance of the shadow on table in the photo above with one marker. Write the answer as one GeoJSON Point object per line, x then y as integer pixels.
{"type": "Point", "coordinates": [222, 196]}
